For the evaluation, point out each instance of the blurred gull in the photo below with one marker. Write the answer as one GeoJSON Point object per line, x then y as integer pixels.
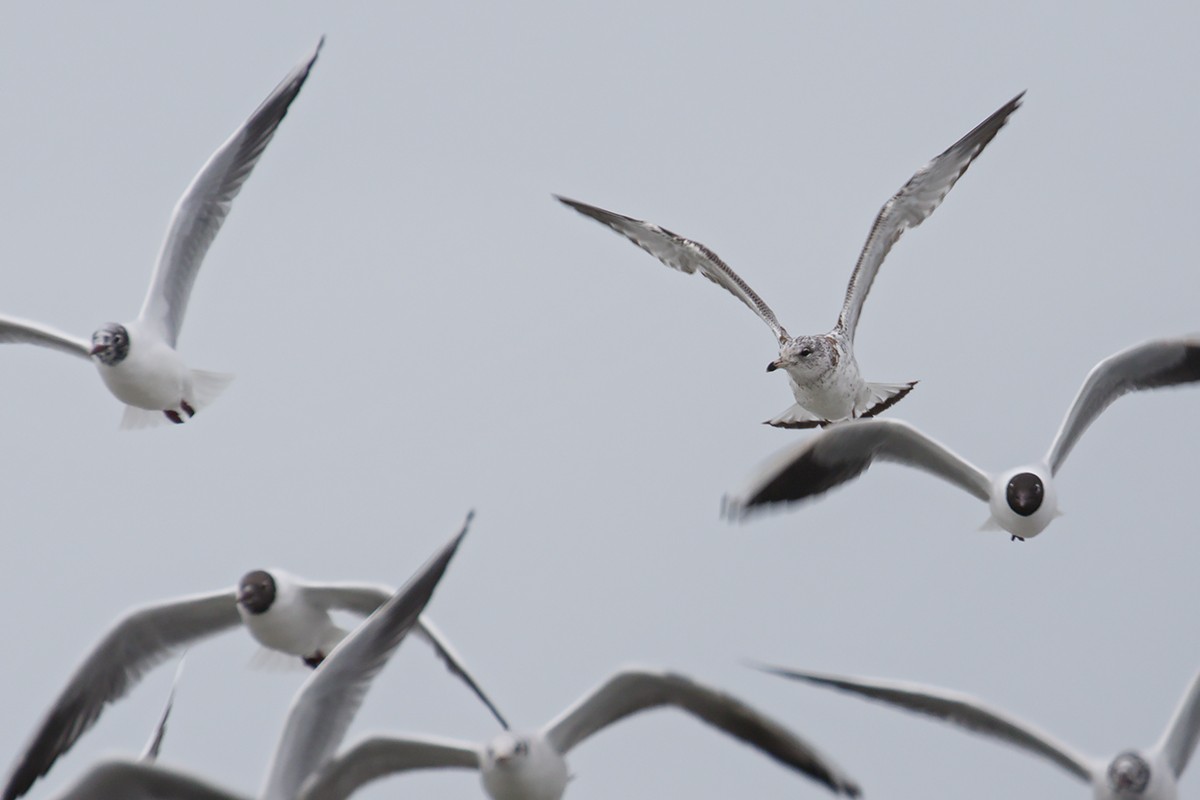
{"type": "Point", "coordinates": [1023, 500]}
{"type": "Point", "coordinates": [532, 766]}
{"type": "Point", "coordinates": [1143, 774]}
{"type": "Point", "coordinates": [821, 368]}
{"type": "Point", "coordinates": [137, 360]}
{"type": "Point", "coordinates": [281, 612]}
{"type": "Point", "coordinates": [316, 722]}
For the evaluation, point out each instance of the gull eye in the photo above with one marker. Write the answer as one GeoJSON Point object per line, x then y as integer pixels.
{"type": "Point", "coordinates": [805, 353]}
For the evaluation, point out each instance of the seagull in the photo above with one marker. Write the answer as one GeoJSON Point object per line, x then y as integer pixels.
{"type": "Point", "coordinates": [1023, 500]}
{"type": "Point", "coordinates": [154, 743]}
{"type": "Point", "coordinates": [137, 360]}
{"type": "Point", "coordinates": [821, 368]}
{"type": "Point", "coordinates": [532, 766]}
{"type": "Point", "coordinates": [316, 722]}
{"type": "Point", "coordinates": [281, 612]}
{"type": "Point", "coordinates": [1151, 774]}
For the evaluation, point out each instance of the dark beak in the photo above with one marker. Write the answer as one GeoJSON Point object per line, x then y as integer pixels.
{"type": "Point", "coordinates": [774, 365]}
{"type": "Point", "coordinates": [96, 349]}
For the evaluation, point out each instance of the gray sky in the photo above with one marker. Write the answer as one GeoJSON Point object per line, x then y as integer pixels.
{"type": "Point", "coordinates": [418, 329]}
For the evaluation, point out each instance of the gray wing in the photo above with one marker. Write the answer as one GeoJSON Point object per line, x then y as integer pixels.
{"type": "Point", "coordinates": [840, 453]}
{"type": "Point", "coordinates": [201, 211]}
{"type": "Point", "coordinates": [682, 254]}
{"type": "Point", "coordinates": [633, 690]}
{"type": "Point", "coordinates": [14, 330]}
{"type": "Point", "coordinates": [910, 206]}
{"type": "Point", "coordinates": [127, 780]}
{"type": "Point", "coordinates": [323, 709]}
{"type": "Point", "coordinates": [956, 708]}
{"type": "Point", "coordinates": [139, 641]}
{"type": "Point", "coordinates": [380, 756]}
{"type": "Point", "coordinates": [154, 745]}
{"type": "Point", "coordinates": [1152, 365]}
{"type": "Point", "coordinates": [1179, 739]}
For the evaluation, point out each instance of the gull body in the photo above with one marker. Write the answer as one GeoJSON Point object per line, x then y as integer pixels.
{"type": "Point", "coordinates": [533, 766]}
{"type": "Point", "coordinates": [821, 369]}
{"type": "Point", "coordinates": [137, 360]}
{"type": "Point", "coordinates": [317, 719]}
{"type": "Point", "coordinates": [1136, 774]}
{"type": "Point", "coordinates": [280, 611]}
{"type": "Point", "coordinates": [1022, 500]}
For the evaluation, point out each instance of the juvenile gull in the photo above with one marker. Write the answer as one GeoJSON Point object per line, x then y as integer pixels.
{"type": "Point", "coordinates": [821, 368]}
{"type": "Point", "coordinates": [137, 360]}
{"type": "Point", "coordinates": [532, 766]}
{"type": "Point", "coordinates": [281, 612]}
{"type": "Point", "coordinates": [316, 722]}
{"type": "Point", "coordinates": [1151, 774]}
{"type": "Point", "coordinates": [1023, 500]}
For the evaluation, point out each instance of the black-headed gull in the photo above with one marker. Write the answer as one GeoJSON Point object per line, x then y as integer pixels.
{"type": "Point", "coordinates": [281, 612]}
{"type": "Point", "coordinates": [137, 360]}
{"type": "Point", "coordinates": [821, 368]}
{"type": "Point", "coordinates": [532, 766]}
{"type": "Point", "coordinates": [1151, 774]}
{"type": "Point", "coordinates": [1022, 500]}
{"type": "Point", "coordinates": [316, 722]}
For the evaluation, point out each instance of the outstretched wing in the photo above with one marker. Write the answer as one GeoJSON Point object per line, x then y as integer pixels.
{"type": "Point", "coordinates": [380, 756]}
{"type": "Point", "coordinates": [909, 207]}
{"type": "Point", "coordinates": [1179, 740]}
{"type": "Point", "coordinates": [138, 642]}
{"type": "Point", "coordinates": [841, 453]}
{"type": "Point", "coordinates": [14, 330]}
{"type": "Point", "coordinates": [1152, 365]}
{"type": "Point", "coordinates": [682, 254]}
{"type": "Point", "coordinates": [633, 690]}
{"type": "Point", "coordinates": [956, 708]}
{"type": "Point", "coordinates": [203, 208]}
{"type": "Point", "coordinates": [128, 780]}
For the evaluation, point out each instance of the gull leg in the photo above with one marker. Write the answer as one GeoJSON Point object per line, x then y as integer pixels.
{"type": "Point", "coordinates": [173, 415]}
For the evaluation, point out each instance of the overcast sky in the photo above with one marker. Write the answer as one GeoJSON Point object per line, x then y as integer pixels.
{"type": "Point", "coordinates": [418, 328]}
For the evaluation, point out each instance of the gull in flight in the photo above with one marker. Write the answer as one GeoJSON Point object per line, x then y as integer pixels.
{"type": "Point", "coordinates": [316, 722]}
{"type": "Point", "coordinates": [532, 766]}
{"type": "Point", "coordinates": [137, 360]}
{"type": "Point", "coordinates": [821, 368]}
{"type": "Point", "coordinates": [1142, 774]}
{"type": "Point", "coordinates": [1023, 500]}
{"type": "Point", "coordinates": [281, 612]}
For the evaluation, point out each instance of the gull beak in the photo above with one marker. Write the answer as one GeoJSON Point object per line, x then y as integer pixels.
{"type": "Point", "coordinates": [774, 365]}
{"type": "Point", "coordinates": [96, 349]}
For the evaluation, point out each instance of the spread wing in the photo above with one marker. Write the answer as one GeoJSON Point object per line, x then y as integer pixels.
{"type": "Point", "coordinates": [1152, 365]}
{"type": "Point", "coordinates": [634, 690]}
{"type": "Point", "coordinates": [138, 642]}
{"type": "Point", "coordinates": [910, 206]}
{"type": "Point", "coordinates": [201, 211]}
{"type": "Point", "coordinates": [682, 254]}
{"type": "Point", "coordinates": [1179, 740]}
{"type": "Point", "coordinates": [142, 781]}
{"type": "Point", "coordinates": [154, 745]}
{"type": "Point", "coordinates": [14, 330]}
{"type": "Point", "coordinates": [323, 709]}
{"type": "Point", "coordinates": [840, 453]}
{"type": "Point", "coordinates": [958, 709]}
{"type": "Point", "coordinates": [380, 756]}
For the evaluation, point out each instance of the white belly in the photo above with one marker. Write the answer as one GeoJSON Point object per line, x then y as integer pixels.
{"type": "Point", "coordinates": [151, 376]}
{"type": "Point", "coordinates": [295, 628]}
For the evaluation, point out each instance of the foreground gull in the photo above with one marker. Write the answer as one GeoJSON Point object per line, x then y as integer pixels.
{"type": "Point", "coordinates": [821, 368]}
{"type": "Point", "coordinates": [532, 766]}
{"type": "Point", "coordinates": [280, 612]}
{"type": "Point", "coordinates": [1023, 500]}
{"type": "Point", "coordinates": [137, 360]}
{"type": "Point", "coordinates": [1143, 774]}
{"type": "Point", "coordinates": [317, 719]}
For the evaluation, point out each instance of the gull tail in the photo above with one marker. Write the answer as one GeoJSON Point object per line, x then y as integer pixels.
{"type": "Point", "coordinates": [797, 416]}
{"type": "Point", "coordinates": [207, 386]}
{"type": "Point", "coordinates": [884, 396]}
{"type": "Point", "coordinates": [136, 419]}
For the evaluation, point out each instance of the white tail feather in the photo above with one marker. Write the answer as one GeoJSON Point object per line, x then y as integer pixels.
{"type": "Point", "coordinates": [207, 386]}
{"type": "Point", "coordinates": [796, 416]}
{"type": "Point", "coordinates": [267, 660]}
{"type": "Point", "coordinates": [136, 419]}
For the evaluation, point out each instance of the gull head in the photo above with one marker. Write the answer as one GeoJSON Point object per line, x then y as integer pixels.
{"type": "Point", "coordinates": [1023, 500]}
{"type": "Point", "coordinates": [110, 343]}
{"type": "Point", "coordinates": [805, 357]}
{"type": "Point", "coordinates": [256, 591]}
{"type": "Point", "coordinates": [507, 749]}
{"type": "Point", "coordinates": [1128, 775]}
